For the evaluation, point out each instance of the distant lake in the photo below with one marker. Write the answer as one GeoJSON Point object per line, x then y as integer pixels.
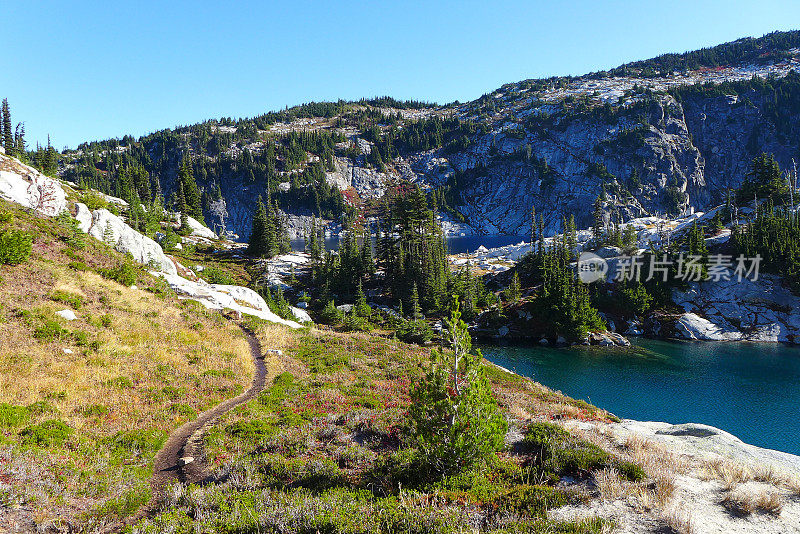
{"type": "Point", "coordinates": [751, 390]}
{"type": "Point", "coordinates": [455, 244]}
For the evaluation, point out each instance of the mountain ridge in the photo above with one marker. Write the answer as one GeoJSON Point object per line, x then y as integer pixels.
{"type": "Point", "coordinates": [636, 135]}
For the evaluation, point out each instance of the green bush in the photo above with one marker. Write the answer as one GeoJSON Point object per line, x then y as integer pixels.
{"type": "Point", "coordinates": [417, 331]}
{"type": "Point", "coordinates": [215, 275]}
{"type": "Point", "coordinates": [254, 431]}
{"type": "Point", "coordinates": [15, 246]}
{"type": "Point", "coordinates": [330, 314]}
{"type": "Point", "coordinates": [94, 201]}
{"type": "Point", "coordinates": [71, 299]}
{"type": "Point", "coordinates": [51, 432]}
{"type": "Point", "coordinates": [557, 452]}
{"type": "Point", "coordinates": [137, 441]}
{"type": "Point", "coordinates": [125, 272]}
{"type": "Point", "coordinates": [50, 330]}
{"type": "Point", "coordinates": [75, 238]}
{"type": "Point", "coordinates": [11, 416]}
{"type": "Point", "coordinates": [95, 410]}
{"type": "Point", "coordinates": [455, 421]}
{"type": "Point", "coordinates": [354, 322]}
{"type": "Point", "coordinates": [126, 504]}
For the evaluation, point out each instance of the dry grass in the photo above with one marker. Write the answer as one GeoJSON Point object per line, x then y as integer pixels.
{"type": "Point", "coordinates": [678, 521]}
{"type": "Point", "coordinates": [609, 484]}
{"type": "Point", "coordinates": [728, 472]}
{"type": "Point", "coordinates": [131, 361]}
{"type": "Point", "coordinates": [742, 503]}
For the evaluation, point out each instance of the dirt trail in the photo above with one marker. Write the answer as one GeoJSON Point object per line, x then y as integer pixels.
{"type": "Point", "coordinates": [187, 439]}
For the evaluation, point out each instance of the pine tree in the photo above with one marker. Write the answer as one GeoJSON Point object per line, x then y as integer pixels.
{"type": "Point", "coordinates": [258, 245]}
{"type": "Point", "coordinates": [8, 139]}
{"type": "Point", "coordinates": [455, 419]}
{"type": "Point", "coordinates": [190, 191]}
{"type": "Point", "coordinates": [598, 228]}
{"type": "Point", "coordinates": [514, 290]}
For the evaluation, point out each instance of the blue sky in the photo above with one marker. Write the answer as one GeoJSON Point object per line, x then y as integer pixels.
{"type": "Point", "coordinates": [93, 70]}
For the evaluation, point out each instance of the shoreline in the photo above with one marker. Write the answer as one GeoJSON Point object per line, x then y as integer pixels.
{"type": "Point", "coordinates": [696, 440]}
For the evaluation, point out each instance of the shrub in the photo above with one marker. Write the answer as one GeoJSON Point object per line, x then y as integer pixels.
{"type": "Point", "coordinates": [78, 266]}
{"type": "Point", "coordinates": [417, 331]}
{"type": "Point", "coordinates": [15, 246]}
{"type": "Point", "coordinates": [75, 238]}
{"type": "Point", "coordinates": [125, 272]}
{"type": "Point", "coordinates": [254, 431]}
{"type": "Point", "coordinates": [215, 275]}
{"type": "Point", "coordinates": [51, 432]}
{"type": "Point", "coordinates": [354, 322]}
{"type": "Point", "coordinates": [76, 301]}
{"type": "Point", "coordinates": [11, 416]}
{"type": "Point", "coordinates": [126, 504]}
{"type": "Point", "coordinates": [137, 441]}
{"type": "Point", "coordinates": [557, 452]}
{"type": "Point", "coordinates": [50, 330]}
{"type": "Point", "coordinates": [455, 420]}
{"type": "Point", "coordinates": [94, 201]}
{"type": "Point", "coordinates": [95, 409]}
{"type": "Point", "coordinates": [330, 314]}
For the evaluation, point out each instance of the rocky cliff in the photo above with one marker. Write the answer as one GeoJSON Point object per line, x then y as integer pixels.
{"type": "Point", "coordinates": [662, 136]}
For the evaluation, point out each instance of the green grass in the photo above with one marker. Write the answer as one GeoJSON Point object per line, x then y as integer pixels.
{"type": "Point", "coordinates": [558, 453]}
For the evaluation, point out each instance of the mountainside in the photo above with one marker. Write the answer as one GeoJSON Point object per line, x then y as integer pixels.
{"type": "Point", "coordinates": [653, 137]}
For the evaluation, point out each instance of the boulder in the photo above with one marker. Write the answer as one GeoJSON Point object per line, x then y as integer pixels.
{"type": "Point", "coordinates": [29, 188]}
{"type": "Point", "coordinates": [219, 297]}
{"type": "Point", "coordinates": [692, 326]}
{"type": "Point", "coordinates": [84, 217]}
{"type": "Point", "coordinates": [301, 315]}
{"type": "Point", "coordinates": [111, 229]}
{"type": "Point", "coordinates": [199, 229]}
{"type": "Point", "coordinates": [69, 315]}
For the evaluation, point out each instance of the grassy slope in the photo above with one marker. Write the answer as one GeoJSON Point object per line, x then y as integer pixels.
{"type": "Point", "coordinates": [141, 363]}
{"type": "Point", "coordinates": [325, 450]}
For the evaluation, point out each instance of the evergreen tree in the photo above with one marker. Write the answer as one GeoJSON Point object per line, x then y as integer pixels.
{"type": "Point", "coordinates": [8, 139]}
{"type": "Point", "coordinates": [514, 291]}
{"type": "Point", "coordinates": [190, 191]}
{"type": "Point", "coordinates": [454, 416]}
{"type": "Point", "coordinates": [598, 227]}
{"type": "Point", "coordinates": [260, 244]}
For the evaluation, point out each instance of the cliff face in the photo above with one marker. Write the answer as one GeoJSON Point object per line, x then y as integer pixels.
{"type": "Point", "coordinates": [648, 144]}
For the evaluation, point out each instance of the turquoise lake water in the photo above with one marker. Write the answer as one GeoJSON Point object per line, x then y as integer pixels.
{"type": "Point", "coordinates": [455, 244]}
{"type": "Point", "coordinates": [749, 390]}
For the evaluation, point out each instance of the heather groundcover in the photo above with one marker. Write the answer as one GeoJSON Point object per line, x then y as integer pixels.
{"type": "Point", "coordinates": [328, 447]}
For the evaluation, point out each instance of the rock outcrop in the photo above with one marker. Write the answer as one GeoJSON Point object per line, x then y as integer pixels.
{"type": "Point", "coordinates": [107, 227]}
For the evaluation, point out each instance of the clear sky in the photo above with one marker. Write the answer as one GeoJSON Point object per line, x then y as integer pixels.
{"type": "Point", "coordinates": [85, 70]}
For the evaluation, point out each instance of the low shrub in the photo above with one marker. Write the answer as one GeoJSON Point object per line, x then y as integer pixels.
{"type": "Point", "coordinates": [330, 314]}
{"type": "Point", "coordinates": [254, 431]}
{"type": "Point", "coordinates": [45, 434]}
{"type": "Point", "coordinates": [356, 323]}
{"type": "Point", "coordinates": [556, 452]}
{"type": "Point", "coordinates": [126, 504]}
{"type": "Point", "coordinates": [213, 274]}
{"type": "Point", "coordinates": [50, 330]}
{"type": "Point", "coordinates": [95, 410]}
{"type": "Point", "coordinates": [125, 272]}
{"type": "Point", "coordinates": [417, 331]}
{"type": "Point", "coordinates": [71, 299]}
{"type": "Point", "coordinates": [15, 246]}
{"type": "Point", "coordinates": [137, 441]}
{"type": "Point", "coordinates": [11, 416]}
